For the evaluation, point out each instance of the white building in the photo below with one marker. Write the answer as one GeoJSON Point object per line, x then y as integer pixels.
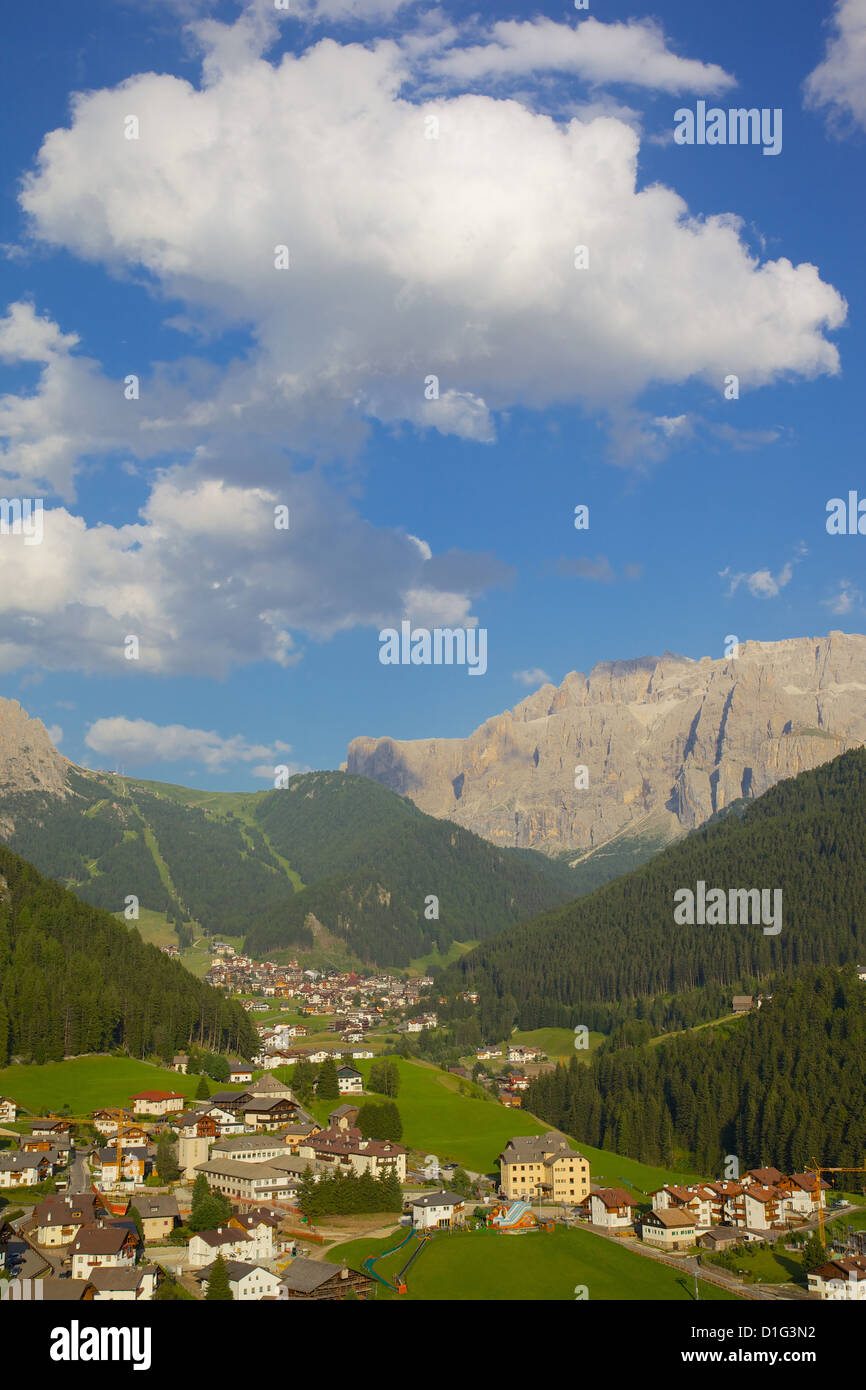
{"type": "Point", "coordinates": [248, 1282]}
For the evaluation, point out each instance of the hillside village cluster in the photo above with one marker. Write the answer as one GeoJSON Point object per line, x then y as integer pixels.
{"type": "Point", "coordinates": [113, 1238]}
{"type": "Point", "coordinates": [114, 1229]}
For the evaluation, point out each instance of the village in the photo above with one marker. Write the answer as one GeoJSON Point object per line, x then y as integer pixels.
{"type": "Point", "coordinates": [163, 1198]}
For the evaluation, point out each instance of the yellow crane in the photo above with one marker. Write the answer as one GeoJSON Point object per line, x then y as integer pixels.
{"type": "Point", "coordinates": [818, 1169]}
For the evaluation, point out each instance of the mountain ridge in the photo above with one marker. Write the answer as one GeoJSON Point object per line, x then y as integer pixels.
{"type": "Point", "coordinates": [671, 736]}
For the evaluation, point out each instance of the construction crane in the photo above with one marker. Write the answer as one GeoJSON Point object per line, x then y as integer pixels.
{"type": "Point", "coordinates": [818, 1169]}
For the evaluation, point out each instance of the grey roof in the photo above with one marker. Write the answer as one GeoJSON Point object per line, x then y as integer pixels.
{"type": "Point", "coordinates": [438, 1199]}
{"type": "Point", "coordinates": [160, 1204]}
{"type": "Point", "coordinates": [269, 1085]}
{"type": "Point", "coordinates": [63, 1290]}
{"type": "Point", "coordinates": [344, 1110]}
{"type": "Point", "coordinates": [237, 1143]}
{"type": "Point", "coordinates": [534, 1147]}
{"type": "Point", "coordinates": [307, 1275]}
{"type": "Point", "coordinates": [236, 1269]}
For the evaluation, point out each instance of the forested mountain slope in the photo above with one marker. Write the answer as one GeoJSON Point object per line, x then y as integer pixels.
{"type": "Point", "coordinates": [73, 980]}
{"type": "Point", "coordinates": [806, 836]}
{"type": "Point", "coordinates": [783, 1085]}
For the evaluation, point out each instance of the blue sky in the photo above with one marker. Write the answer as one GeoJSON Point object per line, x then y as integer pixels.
{"type": "Point", "coordinates": [412, 256]}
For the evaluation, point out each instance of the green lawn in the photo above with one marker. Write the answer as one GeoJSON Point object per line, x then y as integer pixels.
{"type": "Point", "coordinates": [473, 1132]}
{"type": "Point", "coordinates": [556, 1042]}
{"type": "Point", "coordinates": [88, 1083]}
{"type": "Point", "coordinates": [422, 964]}
{"type": "Point", "coordinates": [488, 1266]}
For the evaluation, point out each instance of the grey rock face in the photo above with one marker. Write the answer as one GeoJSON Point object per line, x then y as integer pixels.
{"type": "Point", "coordinates": [662, 738]}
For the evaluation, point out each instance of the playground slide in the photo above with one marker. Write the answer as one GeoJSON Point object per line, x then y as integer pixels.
{"type": "Point", "coordinates": [399, 1285]}
{"type": "Point", "coordinates": [371, 1260]}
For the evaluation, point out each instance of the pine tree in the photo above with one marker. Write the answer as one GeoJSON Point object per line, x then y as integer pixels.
{"type": "Point", "coordinates": [218, 1287]}
{"type": "Point", "coordinates": [328, 1087]}
{"type": "Point", "coordinates": [202, 1090]}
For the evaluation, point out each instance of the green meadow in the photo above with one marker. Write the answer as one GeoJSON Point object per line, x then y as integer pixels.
{"type": "Point", "coordinates": [88, 1083]}
{"type": "Point", "coordinates": [486, 1265]}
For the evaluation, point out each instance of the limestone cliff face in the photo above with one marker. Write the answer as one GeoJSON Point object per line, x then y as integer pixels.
{"type": "Point", "coordinates": [28, 759]}
{"type": "Point", "coordinates": [662, 738]}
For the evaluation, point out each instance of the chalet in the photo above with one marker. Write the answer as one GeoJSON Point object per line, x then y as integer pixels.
{"type": "Point", "coordinates": [763, 1207]}
{"type": "Point", "coordinates": [8, 1110]}
{"type": "Point", "coordinates": [742, 1003]}
{"type": "Point", "coordinates": [611, 1208]}
{"type": "Point", "coordinates": [546, 1163]}
{"type": "Point", "coordinates": [115, 1285]}
{"type": "Point", "coordinates": [57, 1220]}
{"type": "Point", "coordinates": [22, 1169]}
{"type": "Point", "coordinates": [132, 1137]}
{"type": "Point", "coordinates": [349, 1081]}
{"type": "Point", "coordinates": [317, 1279]}
{"type": "Point", "coordinates": [59, 1144]}
{"type": "Point", "coordinates": [51, 1128]}
{"type": "Point", "coordinates": [157, 1102]}
{"type": "Point", "coordinates": [803, 1194]}
{"type": "Point", "coordinates": [343, 1117]}
{"type": "Point", "coordinates": [669, 1228]}
{"type": "Point", "coordinates": [518, 1053]}
{"type": "Point", "coordinates": [159, 1214]}
{"type": "Point", "coordinates": [342, 1150]}
{"type": "Point", "coordinates": [861, 972]}
{"type": "Point", "coordinates": [271, 1087]}
{"type": "Point", "coordinates": [842, 1279]}
{"type": "Point", "coordinates": [134, 1165]}
{"type": "Point", "coordinates": [106, 1121]}
{"type": "Point", "coordinates": [270, 1112]}
{"type": "Point", "coordinates": [102, 1245]}
{"type": "Point", "coordinates": [247, 1282]}
{"type": "Point", "coordinates": [180, 1063]}
{"type": "Point", "coordinates": [240, 1073]}
{"type": "Point", "coordinates": [720, 1238]}
{"type": "Point", "coordinates": [438, 1211]}
{"type": "Point", "coordinates": [233, 1243]}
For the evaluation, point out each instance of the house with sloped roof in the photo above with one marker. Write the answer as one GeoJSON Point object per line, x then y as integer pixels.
{"type": "Point", "coordinates": [249, 1283]}
{"type": "Point", "coordinates": [103, 1244]}
{"type": "Point", "coordinates": [611, 1208]}
{"type": "Point", "coordinates": [113, 1285]}
{"type": "Point", "coordinates": [318, 1279]}
{"type": "Point", "coordinates": [159, 1214]}
{"type": "Point", "coordinates": [58, 1219]}
{"type": "Point", "coordinates": [669, 1228]}
{"type": "Point", "coordinates": [546, 1164]}
{"type": "Point", "coordinates": [438, 1211]}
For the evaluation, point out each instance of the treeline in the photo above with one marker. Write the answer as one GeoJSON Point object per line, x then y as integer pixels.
{"type": "Point", "coordinates": [346, 1193]}
{"type": "Point", "coordinates": [371, 859]}
{"type": "Point", "coordinates": [780, 1086]}
{"type": "Point", "coordinates": [590, 962]}
{"type": "Point", "coordinates": [73, 980]}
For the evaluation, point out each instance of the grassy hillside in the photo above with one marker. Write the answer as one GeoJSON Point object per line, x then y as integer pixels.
{"type": "Point", "coordinates": [88, 1083]}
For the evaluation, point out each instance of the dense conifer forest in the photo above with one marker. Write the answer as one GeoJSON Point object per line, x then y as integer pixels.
{"type": "Point", "coordinates": [73, 980]}
{"type": "Point", "coordinates": [780, 1086]}
{"type": "Point", "coordinates": [618, 952]}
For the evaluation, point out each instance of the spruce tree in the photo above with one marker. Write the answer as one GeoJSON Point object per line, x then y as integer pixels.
{"type": "Point", "coordinates": [218, 1287]}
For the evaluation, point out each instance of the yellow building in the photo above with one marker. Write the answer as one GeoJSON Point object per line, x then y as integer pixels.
{"type": "Point", "coordinates": [543, 1166]}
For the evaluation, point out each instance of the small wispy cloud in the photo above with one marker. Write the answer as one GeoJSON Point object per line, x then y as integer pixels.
{"type": "Point", "coordinates": [846, 600]}
{"type": "Point", "coordinates": [534, 676]}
